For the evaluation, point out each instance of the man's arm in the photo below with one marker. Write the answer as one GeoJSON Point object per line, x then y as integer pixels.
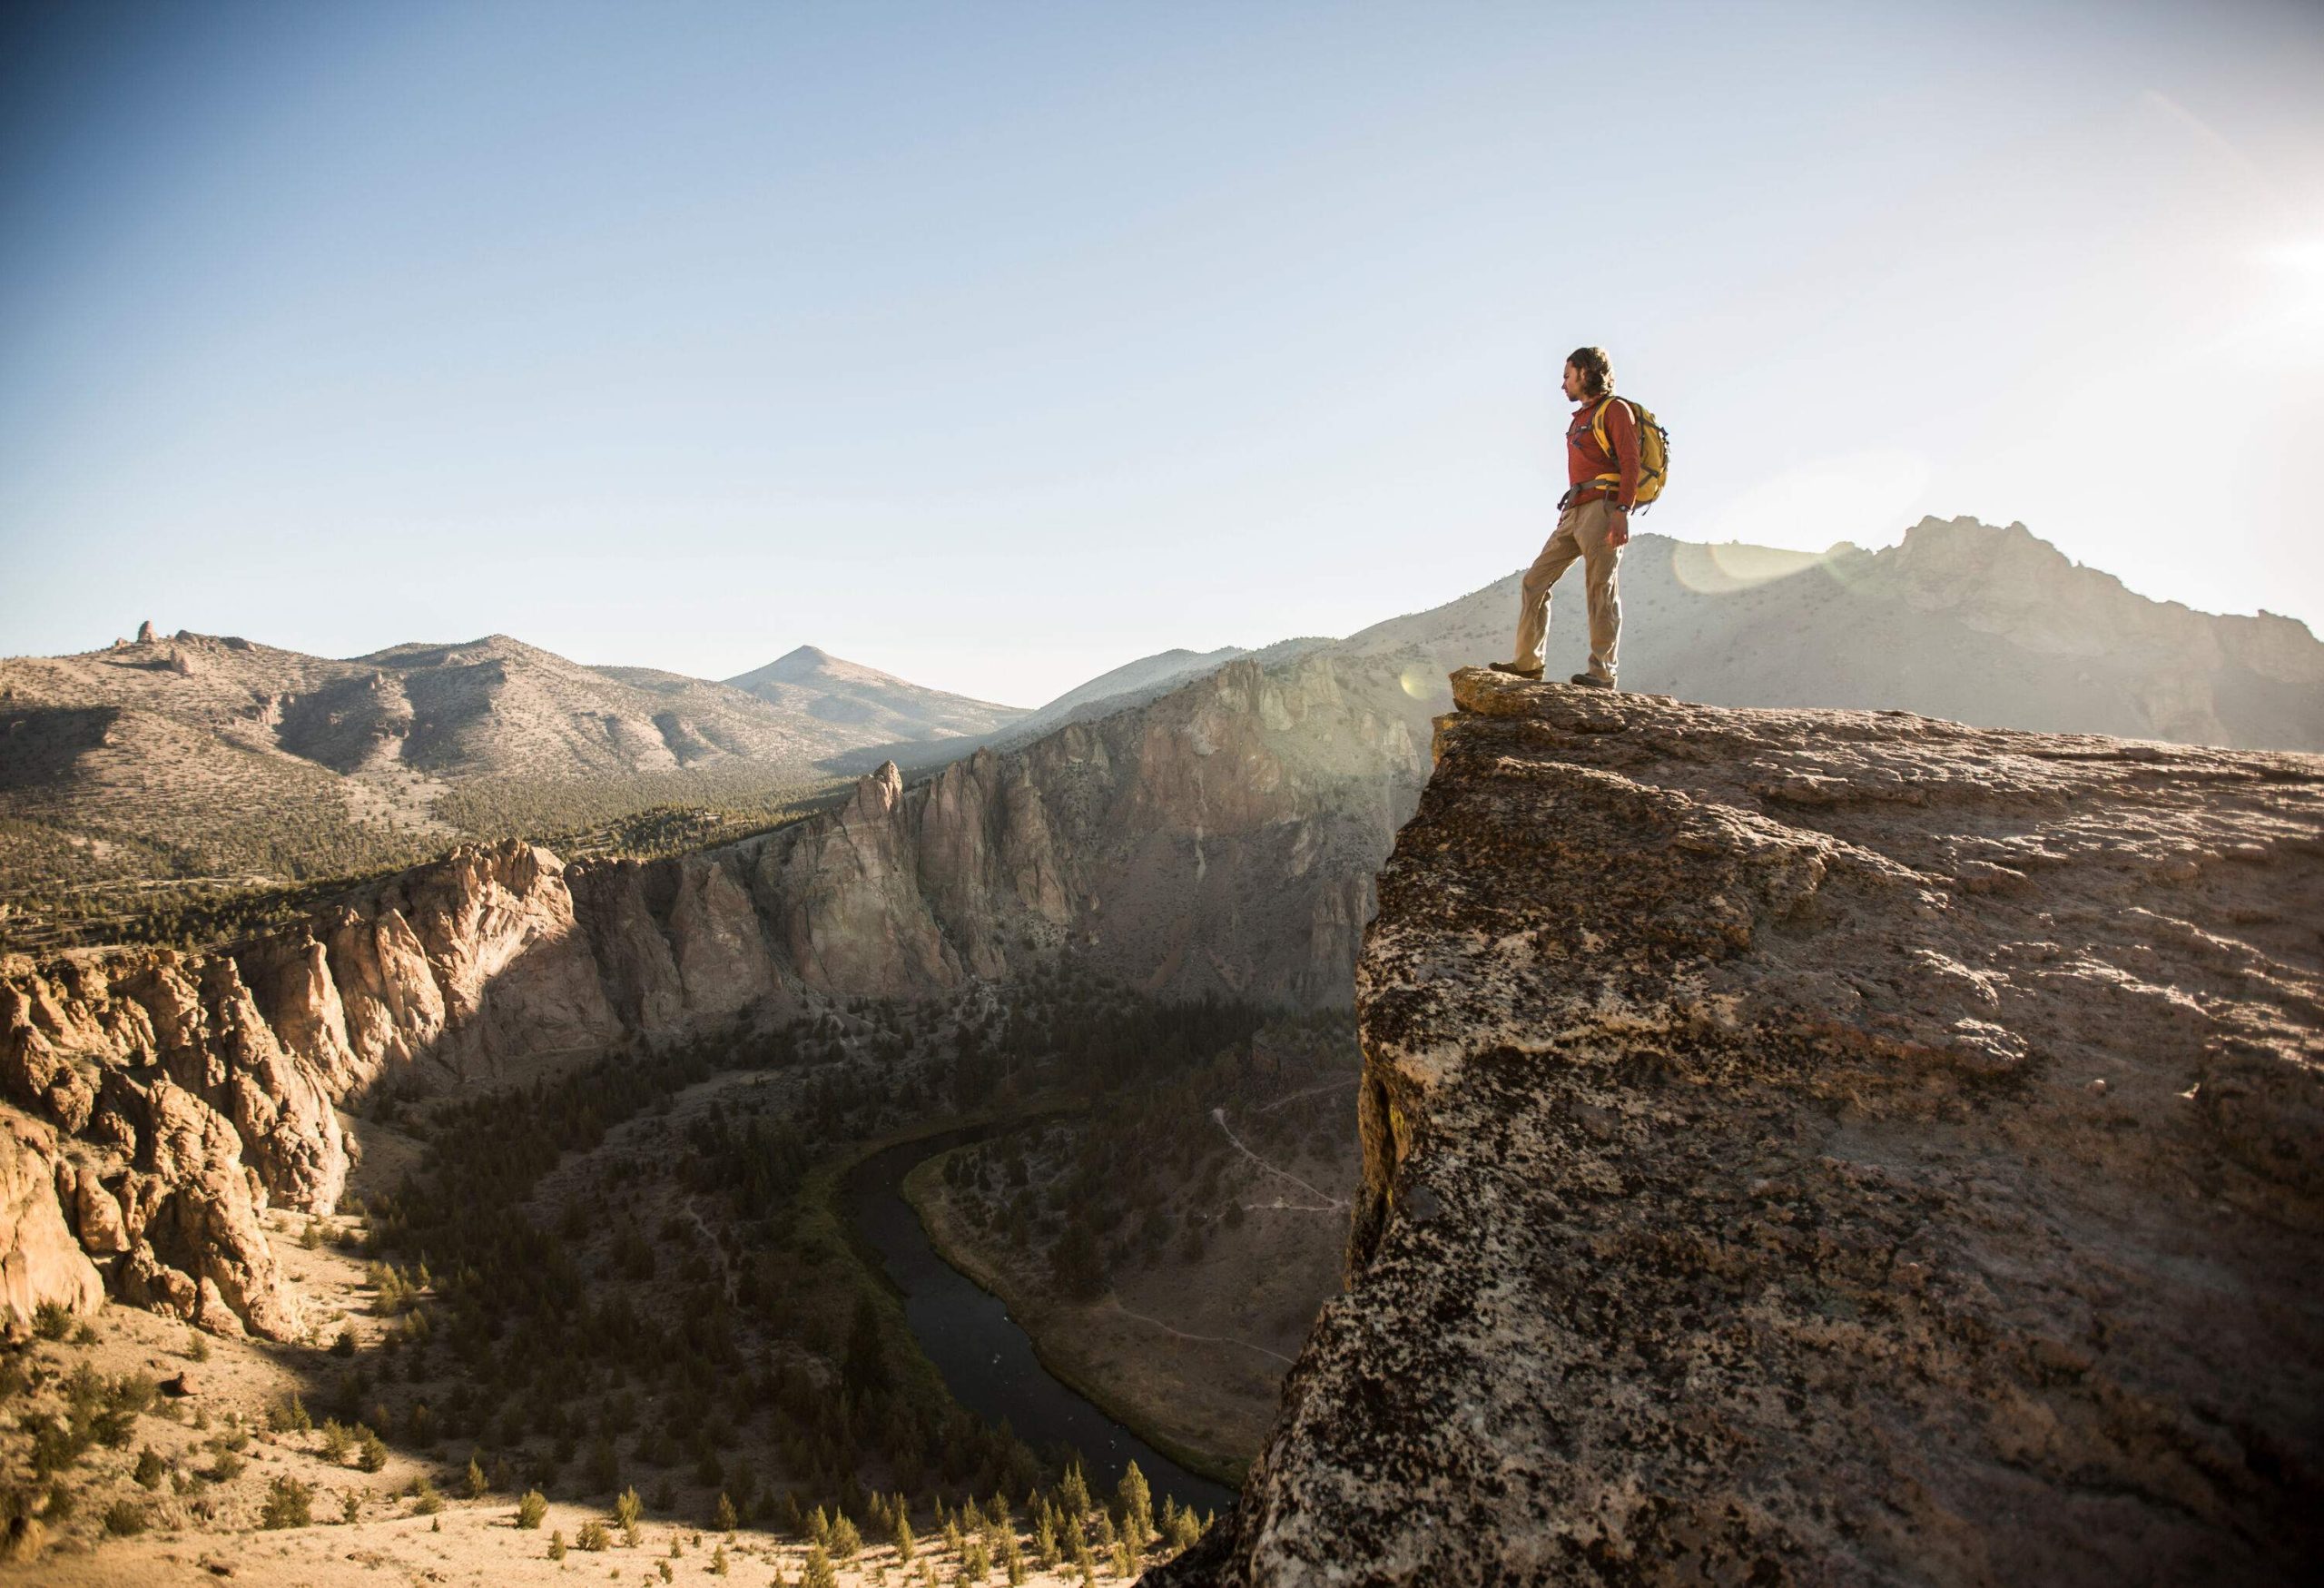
{"type": "Point", "coordinates": [1621, 435]}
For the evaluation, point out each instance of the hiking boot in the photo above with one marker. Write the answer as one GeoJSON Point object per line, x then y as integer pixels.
{"type": "Point", "coordinates": [1593, 681]}
{"type": "Point", "coordinates": [1514, 671]}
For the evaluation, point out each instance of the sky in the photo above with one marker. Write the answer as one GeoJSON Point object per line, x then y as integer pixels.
{"type": "Point", "coordinates": [997, 345]}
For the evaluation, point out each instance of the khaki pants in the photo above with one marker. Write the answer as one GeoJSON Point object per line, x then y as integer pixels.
{"type": "Point", "coordinates": [1581, 534]}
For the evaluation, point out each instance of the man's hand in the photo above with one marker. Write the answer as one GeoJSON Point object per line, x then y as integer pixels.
{"type": "Point", "coordinates": [1618, 527]}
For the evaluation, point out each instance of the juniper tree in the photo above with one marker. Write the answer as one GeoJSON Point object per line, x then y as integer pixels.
{"type": "Point", "coordinates": [1137, 1507]}
{"type": "Point", "coordinates": [532, 1509]}
{"type": "Point", "coordinates": [288, 1504]}
{"type": "Point", "coordinates": [1074, 1491]}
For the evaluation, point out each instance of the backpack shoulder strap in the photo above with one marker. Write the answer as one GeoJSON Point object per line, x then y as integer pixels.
{"type": "Point", "coordinates": [1598, 424]}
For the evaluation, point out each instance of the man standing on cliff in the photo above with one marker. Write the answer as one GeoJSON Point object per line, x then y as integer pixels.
{"type": "Point", "coordinates": [1593, 524]}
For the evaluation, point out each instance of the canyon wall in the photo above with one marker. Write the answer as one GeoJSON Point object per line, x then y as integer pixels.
{"type": "Point", "coordinates": [1826, 1147]}
{"type": "Point", "coordinates": [1220, 840]}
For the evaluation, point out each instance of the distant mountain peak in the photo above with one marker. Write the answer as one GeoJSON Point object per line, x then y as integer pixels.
{"type": "Point", "coordinates": [836, 690]}
{"type": "Point", "coordinates": [806, 659]}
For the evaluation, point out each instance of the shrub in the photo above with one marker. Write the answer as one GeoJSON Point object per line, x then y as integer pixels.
{"type": "Point", "coordinates": [727, 1521]}
{"type": "Point", "coordinates": [226, 1468]}
{"type": "Point", "coordinates": [345, 1345]}
{"type": "Point", "coordinates": [150, 1468]}
{"type": "Point", "coordinates": [424, 1499]}
{"type": "Point", "coordinates": [531, 1509]}
{"type": "Point", "coordinates": [51, 1320]}
{"type": "Point", "coordinates": [592, 1536]}
{"type": "Point", "coordinates": [288, 1504]}
{"type": "Point", "coordinates": [336, 1441]}
{"type": "Point", "coordinates": [371, 1450]}
{"type": "Point", "coordinates": [124, 1517]}
{"type": "Point", "coordinates": [846, 1541]}
{"type": "Point", "coordinates": [197, 1345]}
{"type": "Point", "coordinates": [350, 1506]}
{"type": "Point", "coordinates": [818, 1571]}
{"type": "Point", "coordinates": [557, 1545]}
{"type": "Point", "coordinates": [132, 1393]}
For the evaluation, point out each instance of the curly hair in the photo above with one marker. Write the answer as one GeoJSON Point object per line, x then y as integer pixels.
{"type": "Point", "coordinates": [1596, 368]}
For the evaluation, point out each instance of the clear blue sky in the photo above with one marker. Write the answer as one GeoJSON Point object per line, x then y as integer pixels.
{"type": "Point", "coordinates": [994, 345]}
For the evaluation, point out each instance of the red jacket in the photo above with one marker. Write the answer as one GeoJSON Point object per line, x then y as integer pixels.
{"type": "Point", "coordinates": [1585, 459]}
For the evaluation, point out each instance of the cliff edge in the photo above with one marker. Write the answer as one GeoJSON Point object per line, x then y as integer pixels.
{"type": "Point", "coordinates": [1822, 1147]}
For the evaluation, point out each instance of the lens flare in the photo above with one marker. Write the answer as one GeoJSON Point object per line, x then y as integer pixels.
{"type": "Point", "coordinates": [1715, 570]}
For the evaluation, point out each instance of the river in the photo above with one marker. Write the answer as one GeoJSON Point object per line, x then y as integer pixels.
{"type": "Point", "coordinates": [986, 1359]}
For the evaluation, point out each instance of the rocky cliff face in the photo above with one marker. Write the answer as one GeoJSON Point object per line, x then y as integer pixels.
{"type": "Point", "coordinates": [1220, 840]}
{"type": "Point", "coordinates": [1827, 1148]}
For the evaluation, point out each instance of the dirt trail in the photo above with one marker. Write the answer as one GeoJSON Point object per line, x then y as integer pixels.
{"type": "Point", "coordinates": [1116, 1302]}
{"type": "Point", "coordinates": [1330, 1204]}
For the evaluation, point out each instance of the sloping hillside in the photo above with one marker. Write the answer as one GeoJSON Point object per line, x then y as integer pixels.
{"type": "Point", "coordinates": [178, 767]}
{"type": "Point", "coordinates": [872, 707]}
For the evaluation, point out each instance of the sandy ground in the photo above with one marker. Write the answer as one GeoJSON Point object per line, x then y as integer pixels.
{"type": "Point", "coordinates": [211, 1532]}
{"type": "Point", "coordinates": [477, 1541]}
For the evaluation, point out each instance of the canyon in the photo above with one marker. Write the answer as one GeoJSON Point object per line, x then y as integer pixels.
{"type": "Point", "coordinates": [191, 1090]}
{"type": "Point", "coordinates": [1967, 1004]}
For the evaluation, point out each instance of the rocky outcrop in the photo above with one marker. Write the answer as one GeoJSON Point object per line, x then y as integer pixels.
{"type": "Point", "coordinates": [39, 1262]}
{"type": "Point", "coordinates": [192, 1208]}
{"type": "Point", "coordinates": [199, 1089]}
{"type": "Point", "coordinates": [1822, 1147]}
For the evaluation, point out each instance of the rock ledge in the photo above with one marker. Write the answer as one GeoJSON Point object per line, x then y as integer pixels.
{"type": "Point", "coordinates": [1822, 1147]}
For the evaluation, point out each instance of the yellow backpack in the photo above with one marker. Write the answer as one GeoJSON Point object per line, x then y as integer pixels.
{"type": "Point", "coordinates": [1653, 451]}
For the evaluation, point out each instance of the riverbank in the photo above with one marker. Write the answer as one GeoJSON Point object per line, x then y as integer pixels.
{"type": "Point", "coordinates": [1162, 1385]}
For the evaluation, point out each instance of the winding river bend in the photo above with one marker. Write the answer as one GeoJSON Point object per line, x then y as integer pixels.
{"type": "Point", "coordinates": [986, 1359]}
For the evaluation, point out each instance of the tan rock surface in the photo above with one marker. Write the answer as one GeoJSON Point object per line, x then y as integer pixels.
{"type": "Point", "coordinates": [1823, 1147]}
{"type": "Point", "coordinates": [40, 1261]}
